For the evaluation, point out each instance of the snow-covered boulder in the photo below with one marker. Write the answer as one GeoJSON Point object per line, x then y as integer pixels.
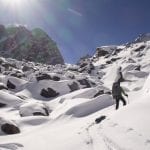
{"type": "Point", "coordinates": [8, 127]}
{"type": "Point", "coordinates": [3, 87]}
{"type": "Point", "coordinates": [134, 74]}
{"type": "Point", "coordinates": [9, 99]}
{"type": "Point", "coordinates": [34, 109]}
{"type": "Point", "coordinates": [48, 93]}
{"type": "Point", "coordinates": [92, 106]}
{"type": "Point", "coordinates": [10, 85]}
{"type": "Point", "coordinates": [43, 76]}
{"type": "Point", "coordinates": [48, 76]}
{"type": "Point", "coordinates": [14, 83]}
{"type": "Point", "coordinates": [102, 90]}
{"type": "Point", "coordinates": [84, 83]}
{"type": "Point", "coordinates": [73, 87]}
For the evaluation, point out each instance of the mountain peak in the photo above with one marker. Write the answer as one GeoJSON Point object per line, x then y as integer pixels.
{"type": "Point", "coordinates": [20, 43]}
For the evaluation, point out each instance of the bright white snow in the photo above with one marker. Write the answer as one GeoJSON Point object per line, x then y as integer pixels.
{"type": "Point", "coordinates": [71, 121]}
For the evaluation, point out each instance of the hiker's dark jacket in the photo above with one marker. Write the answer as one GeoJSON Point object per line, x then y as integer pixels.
{"type": "Point", "coordinates": [117, 90]}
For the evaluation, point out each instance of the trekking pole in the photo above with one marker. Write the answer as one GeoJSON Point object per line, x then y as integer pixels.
{"type": "Point", "coordinates": [127, 99]}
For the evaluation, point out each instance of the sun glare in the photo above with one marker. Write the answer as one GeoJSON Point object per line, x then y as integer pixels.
{"type": "Point", "coordinates": [13, 3]}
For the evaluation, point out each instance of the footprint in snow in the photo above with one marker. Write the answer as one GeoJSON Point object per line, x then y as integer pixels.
{"type": "Point", "coordinates": [114, 124]}
{"type": "Point", "coordinates": [147, 141]}
{"type": "Point", "coordinates": [129, 129]}
{"type": "Point", "coordinates": [10, 146]}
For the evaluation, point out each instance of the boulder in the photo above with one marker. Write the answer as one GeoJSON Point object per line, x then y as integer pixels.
{"type": "Point", "coordinates": [55, 78]}
{"type": "Point", "coordinates": [3, 87]}
{"type": "Point", "coordinates": [17, 74]}
{"type": "Point", "coordinates": [38, 114]}
{"type": "Point", "coordinates": [10, 85]}
{"type": "Point", "coordinates": [84, 82]}
{"type": "Point", "coordinates": [43, 76]}
{"type": "Point", "coordinates": [10, 128]}
{"type": "Point", "coordinates": [140, 48]}
{"type": "Point", "coordinates": [34, 109]}
{"type": "Point", "coordinates": [26, 68]}
{"type": "Point", "coordinates": [73, 87]}
{"type": "Point", "coordinates": [101, 92]}
{"type": "Point", "coordinates": [2, 105]}
{"type": "Point", "coordinates": [49, 93]}
{"type": "Point", "coordinates": [100, 119]}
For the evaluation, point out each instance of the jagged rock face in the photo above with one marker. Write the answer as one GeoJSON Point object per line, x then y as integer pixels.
{"type": "Point", "coordinates": [21, 43]}
{"type": "Point", "coordinates": [104, 50]}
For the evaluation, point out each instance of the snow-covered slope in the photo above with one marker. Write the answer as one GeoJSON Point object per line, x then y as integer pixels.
{"type": "Point", "coordinates": [45, 107]}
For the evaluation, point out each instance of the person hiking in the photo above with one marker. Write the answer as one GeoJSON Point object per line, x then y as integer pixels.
{"type": "Point", "coordinates": [117, 92]}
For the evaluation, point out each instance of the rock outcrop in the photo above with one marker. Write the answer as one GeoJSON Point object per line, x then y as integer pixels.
{"type": "Point", "coordinates": [20, 43]}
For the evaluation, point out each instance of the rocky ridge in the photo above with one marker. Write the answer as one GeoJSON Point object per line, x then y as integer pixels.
{"type": "Point", "coordinates": [20, 43]}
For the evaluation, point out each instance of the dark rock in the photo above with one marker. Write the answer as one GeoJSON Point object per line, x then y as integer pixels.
{"type": "Point", "coordinates": [38, 114]}
{"type": "Point", "coordinates": [102, 66]}
{"type": "Point", "coordinates": [87, 67]}
{"type": "Point", "coordinates": [114, 59]}
{"type": "Point", "coordinates": [108, 92]}
{"type": "Point", "coordinates": [101, 52]}
{"type": "Point", "coordinates": [10, 85]}
{"type": "Point", "coordinates": [17, 75]}
{"type": "Point", "coordinates": [3, 87]}
{"type": "Point", "coordinates": [100, 119]}
{"type": "Point", "coordinates": [10, 128]}
{"type": "Point", "coordinates": [73, 69]}
{"type": "Point", "coordinates": [84, 82]}
{"type": "Point", "coordinates": [93, 83]}
{"type": "Point", "coordinates": [26, 68]}
{"type": "Point", "coordinates": [139, 54]}
{"type": "Point", "coordinates": [49, 93]}
{"type": "Point", "coordinates": [2, 105]}
{"type": "Point", "coordinates": [101, 92]}
{"type": "Point", "coordinates": [117, 51]}
{"type": "Point", "coordinates": [140, 48]}
{"type": "Point", "coordinates": [109, 62]}
{"type": "Point", "coordinates": [6, 65]}
{"type": "Point", "coordinates": [73, 87]}
{"type": "Point", "coordinates": [43, 76]}
{"type": "Point", "coordinates": [90, 68]}
{"type": "Point", "coordinates": [46, 111]}
{"type": "Point", "coordinates": [83, 60]}
{"type": "Point", "coordinates": [83, 64]}
{"type": "Point", "coordinates": [138, 68]}
{"type": "Point", "coordinates": [42, 114]}
{"type": "Point", "coordinates": [130, 60]}
{"type": "Point", "coordinates": [55, 78]}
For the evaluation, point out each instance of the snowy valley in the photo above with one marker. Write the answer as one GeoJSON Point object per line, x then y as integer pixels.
{"type": "Point", "coordinates": [45, 107]}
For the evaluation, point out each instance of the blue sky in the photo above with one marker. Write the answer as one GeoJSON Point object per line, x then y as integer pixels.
{"type": "Point", "coordinates": [79, 26]}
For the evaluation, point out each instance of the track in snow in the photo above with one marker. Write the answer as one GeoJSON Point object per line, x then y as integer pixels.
{"type": "Point", "coordinates": [10, 146]}
{"type": "Point", "coordinates": [98, 140]}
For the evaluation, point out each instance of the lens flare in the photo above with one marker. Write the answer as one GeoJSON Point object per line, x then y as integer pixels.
{"type": "Point", "coordinates": [12, 3]}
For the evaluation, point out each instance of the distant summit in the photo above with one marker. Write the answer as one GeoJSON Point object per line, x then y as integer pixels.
{"type": "Point", "coordinates": [143, 38]}
{"type": "Point", "coordinates": [20, 43]}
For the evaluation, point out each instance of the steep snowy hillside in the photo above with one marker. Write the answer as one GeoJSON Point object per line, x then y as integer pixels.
{"type": "Point", "coordinates": [70, 107]}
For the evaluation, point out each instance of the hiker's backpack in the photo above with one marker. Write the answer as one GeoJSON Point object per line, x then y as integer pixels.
{"type": "Point", "coordinates": [116, 89]}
